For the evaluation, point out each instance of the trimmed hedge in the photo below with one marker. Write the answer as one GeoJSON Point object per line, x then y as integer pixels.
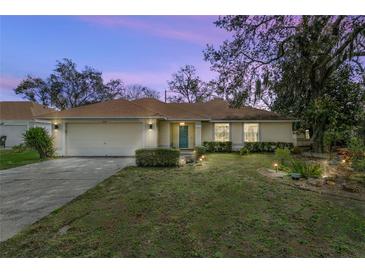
{"type": "Point", "coordinates": [266, 146]}
{"type": "Point", "coordinates": [218, 146]}
{"type": "Point", "coordinates": [154, 157]}
{"type": "Point", "coordinates": [244, 151]}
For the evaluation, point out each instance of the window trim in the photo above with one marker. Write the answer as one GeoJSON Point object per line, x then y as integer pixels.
{"type": "Point", "coordinates": [258, 133]}
{"type": "Point", "coordinates": [229, 132]}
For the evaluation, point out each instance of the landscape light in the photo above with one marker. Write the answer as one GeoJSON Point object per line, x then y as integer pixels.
{"type": "Point", "coordinates": [276, 166]}
{"type": "Point", "coordinates": [343, 161]}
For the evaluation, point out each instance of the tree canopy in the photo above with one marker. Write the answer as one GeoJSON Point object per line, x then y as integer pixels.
{"type": "Point", "coordinates": [295, 65]}
{"type": "Point", "coordinates": [186, 86]}
{"type": "Point", "coordinates": [67, 87]}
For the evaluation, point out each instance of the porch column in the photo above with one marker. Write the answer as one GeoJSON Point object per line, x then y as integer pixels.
{"type": "Point", "coordinates": [168, 137]}
{"type": "Point", "coordinates": [198, 133]}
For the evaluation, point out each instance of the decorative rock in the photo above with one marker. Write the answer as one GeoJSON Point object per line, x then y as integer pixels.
{"type": "Point", "coordinates": [315, 182]}
{"type": "Point", "coordinates": [295, 176]}
{"type": "Point", "coordinates": [351, 188]}
{"type": "Point", "coordinates": [330, 182]}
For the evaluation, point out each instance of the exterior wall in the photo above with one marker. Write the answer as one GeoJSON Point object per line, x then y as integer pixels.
{"type": "Point", "coordinates": [166, 133]}
{"type": "Point", "coordinates": [236, 132]}
{"type": "Point", "coordinates": [276, 132]}
{"type": "Point", "coordinates": [268, 132]}
{"type": "Point", "coordinates": [198, 133]}
{"type": "Point", "coordinates": [207, 132]}
{"type": "Point", "coordinates": [150, 136]}
{"type": "Point", "coordinates": [174, 135]}
{"type": "Point", "coordinates": [163, 133]}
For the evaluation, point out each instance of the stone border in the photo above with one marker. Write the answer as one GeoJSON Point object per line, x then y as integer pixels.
{"type": "Point", "coordinates": [304, 186]}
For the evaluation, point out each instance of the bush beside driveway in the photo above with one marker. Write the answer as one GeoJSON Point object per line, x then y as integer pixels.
{"type": "Point", "coordinates": [222, 208]}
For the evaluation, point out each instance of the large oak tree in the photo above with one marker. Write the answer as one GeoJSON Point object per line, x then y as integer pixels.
{"type": "Point", "coordinates": [67, 87]}
{"type": "Point", "coordinates": [289, 63]}
{"type": "Point", "coordinates": [186, 86]}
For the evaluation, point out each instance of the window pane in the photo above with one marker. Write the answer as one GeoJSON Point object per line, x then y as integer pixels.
{"type": "Point", "coordinates": [221, 132]}
{"type": "Point", "coordinates": [251, 132]}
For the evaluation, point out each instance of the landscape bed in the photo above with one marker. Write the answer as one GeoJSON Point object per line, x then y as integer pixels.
{"type": "Point", "coordinates": [221, 208]}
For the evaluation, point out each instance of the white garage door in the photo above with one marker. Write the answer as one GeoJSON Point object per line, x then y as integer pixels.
{"type": "Point", "coordinates": [13, 133]}
{"type": "Point", "coordinates": [108, 139]}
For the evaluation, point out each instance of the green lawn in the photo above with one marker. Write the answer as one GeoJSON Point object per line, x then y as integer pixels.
{"type": "Point", "coordinates": [221, 209]}
{"type": "Point", "coordinates": [9, 158]}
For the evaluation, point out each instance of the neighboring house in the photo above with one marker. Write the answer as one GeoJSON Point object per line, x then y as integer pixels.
{"type": "Point", "coordinates": [17, 117]}
{"type": "Point", "coordinates": [119, 127]}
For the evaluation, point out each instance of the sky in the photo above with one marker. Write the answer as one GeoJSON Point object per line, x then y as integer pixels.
{"type": "Point", "coordinates": [137, 49]}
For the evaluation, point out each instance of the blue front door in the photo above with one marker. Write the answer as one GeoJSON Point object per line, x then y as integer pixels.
{"type": "Point", "coordinates": [183, 137]}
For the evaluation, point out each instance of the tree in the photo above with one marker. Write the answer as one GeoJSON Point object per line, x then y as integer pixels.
{"type": "Point", "coordinates": [289, 62]}
{"type": "Point", "coordinates": [186, 86]}
{"type": "Point", "coordinates": [67, 87]}
{"type": "Point", "coordinates": [137, 91]}
{"type": "Point", "coordinates": [130, 92]}
{"type": "Point", "coordinates": [38, 138]}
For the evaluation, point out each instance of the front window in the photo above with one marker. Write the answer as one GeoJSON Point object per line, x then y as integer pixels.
{"type": "Point", "coordinates": [221, 132]}
{"type": "Point", "coordinates": [307, 136]}
{"type": "Point", "coordinates": [251, 132]}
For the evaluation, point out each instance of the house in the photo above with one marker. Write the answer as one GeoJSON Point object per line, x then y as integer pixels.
{"type": "Point", "coordinates": [17, 117]}
{"type": "Point", "coordinates": [119, 127]}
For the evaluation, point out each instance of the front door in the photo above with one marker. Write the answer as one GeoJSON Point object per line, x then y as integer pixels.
{"type": "Point", "coordinates": [183, 137]}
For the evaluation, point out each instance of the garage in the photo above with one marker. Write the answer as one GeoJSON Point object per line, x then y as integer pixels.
{"type": "Point", "coordinates": [103, 139]}
{"type": "Point", "coordinates": [13, 133]}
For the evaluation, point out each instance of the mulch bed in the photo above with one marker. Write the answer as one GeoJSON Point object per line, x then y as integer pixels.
{"type": "Point", "coordinates": [321, 186]}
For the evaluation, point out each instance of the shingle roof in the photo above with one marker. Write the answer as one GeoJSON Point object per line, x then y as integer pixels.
{"type": "Point", "coordinates": [21, 110]}
{"type": "Point", "coordinates": [109, 109]}
{"type": "Point", "coordinates": [219, 109]}
{"type": "Point", "coordinates": [216, 109]}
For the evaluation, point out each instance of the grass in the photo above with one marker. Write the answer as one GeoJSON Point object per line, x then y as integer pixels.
{"type": "Point", "coordinates": [9, 158]}
{"type": "Point", "coordinates": [223, 208]}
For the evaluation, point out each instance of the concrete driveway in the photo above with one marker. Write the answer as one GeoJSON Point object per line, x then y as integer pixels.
{"type": "Point", "coordinates": [30, 192]}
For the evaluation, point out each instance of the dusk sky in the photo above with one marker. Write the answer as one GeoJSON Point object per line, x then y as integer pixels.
{"type": "Point", "coordinates": [137, 49]}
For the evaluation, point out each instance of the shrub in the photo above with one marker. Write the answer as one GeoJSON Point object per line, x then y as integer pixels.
{"type": "Point", "coordinates": [199, 151]}
{"type": "Point", "coordinates": [39, 139]}
{"type": "Point", "coordinates": [244, 151]}
{"type": "Point", "coordinates": [282, 155]}
{"type": "Point", "coordinates": [218, 146]}
{"type": "Point", "coordinates": [296, 150]}
{"type": "Point", "coordinates": [266, 146]}
{"type": "Point", "coordinates": [356, 148]}
{"type": "Point", "coordinates": [155, 157]}
{"type": "Point", "coordinates": [359, 165]}
{"type": "Point", "coordinates": [19, 148]}
{"type": "Point", "coordinates": [306, 169]}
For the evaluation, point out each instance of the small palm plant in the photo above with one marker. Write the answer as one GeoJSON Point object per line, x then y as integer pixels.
{"type": "Point", "coordinates": [39, 139]}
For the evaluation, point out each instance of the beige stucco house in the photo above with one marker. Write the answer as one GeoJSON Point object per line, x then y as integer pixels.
{"type": "Point", "coordinates": [119, 127]}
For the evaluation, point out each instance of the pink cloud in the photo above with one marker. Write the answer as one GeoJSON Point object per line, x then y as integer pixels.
{"type": "Point", "coordinates": [8, 82]}
{"type": "Point", "coordinates": [7, 85]}
{"type": "Point", "coordinates": [158, 79]}
{"type": "Point", "coordinates": [201, 32]}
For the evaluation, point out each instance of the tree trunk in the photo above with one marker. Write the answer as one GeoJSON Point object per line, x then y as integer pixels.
{"type": "Point", "coordinates": [317, 138]}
